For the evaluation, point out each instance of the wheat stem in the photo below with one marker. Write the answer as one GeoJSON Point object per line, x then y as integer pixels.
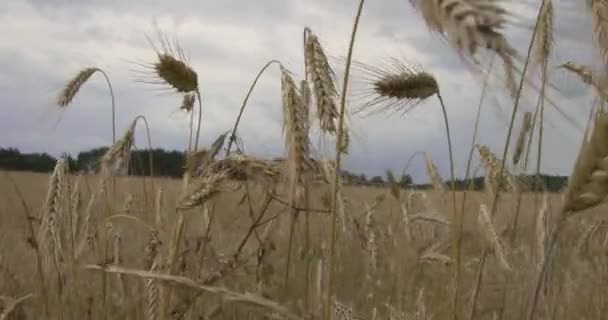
{"type": "Point", "coordinates": [238, 118]}
{"type": "Point", "coordinates": [332, 247]}
{"type": "Point", "coordinates": [113, 104]}
{"type": "Point", "coordinates": [457, 216]}
{"type": "Point", "coordinates": [543, 269]}
{"type": "Point", "coordinates": [506, 148]}
{"type": "Point", "coordinates": [467, 172]}
{"type": "Point", "coordinates": [200, 118]}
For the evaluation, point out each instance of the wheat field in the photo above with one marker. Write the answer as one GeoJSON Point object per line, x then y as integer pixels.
{"type": "Point", "coordinates": [402, 274]}
{"type": "Point", "coordinates": [241, 237]}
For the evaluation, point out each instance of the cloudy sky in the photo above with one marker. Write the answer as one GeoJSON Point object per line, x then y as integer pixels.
{"type": "Point", "coordinates": [45, 42]}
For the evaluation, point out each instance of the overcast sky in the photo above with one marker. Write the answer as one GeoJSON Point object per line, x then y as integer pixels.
{"type": "Point", "coordinates": [45, 42]}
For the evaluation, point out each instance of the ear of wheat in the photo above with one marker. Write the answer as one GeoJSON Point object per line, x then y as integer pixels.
{"type": "Point", "coordinates": [588, 185]}
{"type": "Point", "coordinates": [599, 12]}
{"type": "Point", "coordinates": [494, 180]}
{"type": "Point", "coordinates": [203, 189]}
{"type": "Point", "coordinates": [588, 77]}
{"type": "Point", "coordinates": [117, 158]}
{"type": "Point", "coordinates": [395, 87]}
{"type": "Point", "coordinates": [491, 237]}
{"type": "Point", "coordinates": [262, 171]}
{"type": "Point", "coordinates": [171, 68]}
{"type": "Point", "coordinates": [432, 172]}
{"type": "Point", "coordinates": [468, 25]}
{"type": "Point", "coordinates": [322, 77]}
{"type": "Point", "coordinates": [297, 144]}
{"type": "Point", "coordinates": [73, 86]}
{"type": "Point", "coordinates": [543, 41]}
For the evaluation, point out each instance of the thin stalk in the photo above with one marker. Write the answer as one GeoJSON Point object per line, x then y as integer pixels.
{"type": "Point", "coordinates": [468, 171]}
{"type": "Point", "coordinates": [509, 132]}
{"type": "Point", "coordinates": [191, 129]}
{"type": "Point", "coordinates": [173, 258]}
{"type": "Point", "coordinates": [294, 219]}
{"type": "Point", "coordinates": [543, 271]}
{"type": "Point", "coordinates": [540, 128]}
{"type": "Point", "coordinates": [150, 161]}
{"type": "Point", "coordinates": [200, 118]}
{"type": "Point", "coordinates": [457, 216]}
{"type": "Point", "coordinates": [238, 118]}
{"type": "Point", "coordinates": [513, 235]}
{"type": "Point", "coordinates": [516, 105]}
{"type": "Point", "coordinates": [113, 105]}
{"type": "Point", "coordinates": [332, 246]}
{"type": "Point", "coordinates": [525, 168]}
{"type": "Point", "coordinates": [308, 255]}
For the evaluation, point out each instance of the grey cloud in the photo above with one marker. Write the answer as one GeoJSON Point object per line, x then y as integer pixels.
{"type": "Point", "coordinates": [228, 43]}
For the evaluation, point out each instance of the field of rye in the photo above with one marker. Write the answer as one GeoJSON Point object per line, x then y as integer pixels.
{"type": "Point", "coordinates": [240, 237]}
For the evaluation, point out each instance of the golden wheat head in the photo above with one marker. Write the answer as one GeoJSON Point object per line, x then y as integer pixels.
{"type": "Point", "coordinates": [543, 42]}
{"type": "Point", "coordinates": [322, 77]}
{"type": "Point", "coordinates": [588, 185]}
{"type": "Point", "coordinates": [118, 156]}
{"type": "Point", "coordinates": [297, 144]}
{"type": "Point", "coordinates": [71, 88]}
{"type": "Point", "coordinates": [395, 87]}
{"type": "Point", "coordinates": [171, 68]}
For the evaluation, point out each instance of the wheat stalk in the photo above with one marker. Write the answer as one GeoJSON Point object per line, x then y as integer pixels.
{"type": "Point", "coordinates": [491, 237]}
{"type": "Point", "coordinates": [72, 87]}
{"type": "Point", "coordinates": [337, 171]}
{"type": "Point", "coordinates": [521, 138]}
{"type": "Point", "coordinates": [322, 78]}
{"type": "Point", "coordinates": [238, 118]}
{"type": "Point", "coordinates": [10, 304]}
{"type": "Point", "coordinates": [227, 295]}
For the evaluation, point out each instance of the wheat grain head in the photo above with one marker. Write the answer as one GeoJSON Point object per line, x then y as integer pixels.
{"type": "Point", "coordinates": [396, 86]}
{"type": "Point", "coordinates": [491, 237]}
{"type": "Point", "coordinates": [322, 77]}
{"type": "Point", "coordinates": [599, 12]}
{"type": "Point", "coordinates": [72, 87]}
{"type": "Point", "coordinates": [432, 172]}
{"type": "Point", "coordinates": [588, 185]}
{"type": "Point", "coordinates": [543, 41]}
{"type": "Point", "coordinates": [297, 144]}
{"type": "Point", "coordinates": [117, 158]}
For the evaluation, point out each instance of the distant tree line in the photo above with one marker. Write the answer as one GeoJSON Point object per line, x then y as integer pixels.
{"type": "Point", "coordinates": [170, 163]}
